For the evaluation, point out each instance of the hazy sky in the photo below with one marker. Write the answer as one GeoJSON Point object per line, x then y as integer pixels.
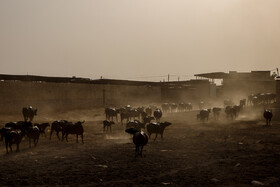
{"type": "Point", "coordinates": [144, 38]}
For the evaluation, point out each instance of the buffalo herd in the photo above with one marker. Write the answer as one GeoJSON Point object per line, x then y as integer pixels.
{"type": "Point", "coordinates": [14, 132]}
{"type": "Point", "coordinates": [148, 119]}
{"type": "Point", "coordinates": [141, 121]}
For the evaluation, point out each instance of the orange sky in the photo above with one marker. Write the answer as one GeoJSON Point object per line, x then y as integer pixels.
{"type": "Point", "coordinates": [127, 39]}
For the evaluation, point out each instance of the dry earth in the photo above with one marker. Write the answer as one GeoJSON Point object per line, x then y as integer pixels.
{"type": "Point", "coordinates": [221, 153]}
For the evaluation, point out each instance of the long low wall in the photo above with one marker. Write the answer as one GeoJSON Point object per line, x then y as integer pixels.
{"type": "Point", "coordinates": [66, 96]}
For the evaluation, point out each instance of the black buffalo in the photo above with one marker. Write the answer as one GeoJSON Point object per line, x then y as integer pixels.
{"type": "Point", "coordinates": [137, 125]}
{"type": "Point", "coordinates": [232, 112]}
{"type": "Point", "coordinates": [33, 133]}
{"type": "Point", "coordinates": [216, 112]}
{"type": "Point", "coordinates": [157, 114]}
{"type": "Point", "coordinates": [140, 139]}
{"type": "Point", "coordinates": [148, 119]}
{"type": "Point", "coordinates": [76, 129]}
{"type": "Point", "coordinates": [13, 137]}
{"type": "Point", "coordinates": [157, 128]}
{"type": "Point", "coordinates": [107, 124]}
{"type": "Point", "coordinates": [189, 106]}
{"type": "Point", "coordinates": [111, 113]}
{"type": "Point", "coordinates": [42, 127]}
{"type": "Point", "coordinates": [28, 113]}
{"type": "Point", "coordinates": [149, 110]}
{"type": "Point", "coordinates": [267, 114]}
{"type": "Point", "coordinates": [165, 107]}
{"type": "Point", "coordinates": [58, 126]}
{"type": "Point", "coordinates": [204, 115]}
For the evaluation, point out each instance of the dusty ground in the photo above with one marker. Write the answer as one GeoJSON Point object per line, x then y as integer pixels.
{"type": "Point", "coordinates": [236, 153]}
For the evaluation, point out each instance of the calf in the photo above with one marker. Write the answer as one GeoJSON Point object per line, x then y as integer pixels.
{"type": "Point", "coordinates": [139, 139]}
{"type": "Point", "coordinates": [71, 128]}
{"type": "Point", "coordinates": [107, 123]}
{"type": "Point", "coordinates": [157, 128]}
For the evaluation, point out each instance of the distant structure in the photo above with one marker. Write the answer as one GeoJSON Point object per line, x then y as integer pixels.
{"type": "Point", "coordinates": [185, 91]}
{"type": "Point", "coordinates": [67, 93]}
{"type": "Point", "coordinates": [241, 83]}
{"type": "Point", "coordinates": [59, 93]}
{"type": "Point", "coordinates": [62, 93]}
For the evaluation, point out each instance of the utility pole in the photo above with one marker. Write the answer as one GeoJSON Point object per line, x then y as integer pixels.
{"type": "Point", "coordinates": [168, 77]}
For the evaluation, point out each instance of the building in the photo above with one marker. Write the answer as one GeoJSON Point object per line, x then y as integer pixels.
{"type": "Point", "coordinates": [236, 85]}
{"type": "Point", "coordinates": [66, 93]}
{"type": "Point", "coordinates": [185, 91]}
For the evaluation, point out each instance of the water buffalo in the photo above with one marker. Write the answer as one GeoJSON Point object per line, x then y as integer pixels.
{"type": "Point", "coordinates": [58, 126]}
{"type": "Point", "coordinates": [124, 116]}
{"type": "Point", "coordinates": [140, 139]}
{"type": "Point", "coordinates": [111, 113]}
{"type": "Point", "coordinates": [148, 119]}
{"type": "Point", "coordinates": [182, 107]}
{"type": "Point", "coordinates": [242, 102]}
{"type": "Point", "coordinates": [33, 133]}
{"type": "Point", "coordinates": [76, 129]}
{"type": "Point", "coordinates": [189, 106]}
{"type": "Point", "coordinates": [4, 130]}
{"type": "Point", "coordinates": [149, 110]}
{"type": "Point", "coordinates": [204, 114]}
{"type": "Point", "coordinates": [165, 107]}
{"type": "Point", "coordinates": [42, 127]}
{"type": "Point", "coordinates": [107, 124]}
{"type": "Point", "coordinates": [267, 114]}
{"type": "Point", "coordinates": [216, 112]}
{"type": "Point", "coordinates": [28, 113]}
{"type": "Point", "coordinates": [250, 99]}
{"type": "Point", "coordinates": [13, 137]}
{"type": "Point", "coordinates": [232, 112]}
{"type": "Point", "coordinates": [20, 125]}
{"type": "Point", "coordinates": [134, 113]}
{"type": "Point", "coordinates": [157, 128]}
{"type": "Point", "coordinates": [173, 107]}
{"type": "Point", "coordinates": [137, 125]}
{"type": "Point", "coordinates": [157, 114]}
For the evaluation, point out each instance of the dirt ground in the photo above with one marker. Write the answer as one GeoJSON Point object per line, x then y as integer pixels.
{"type": "Point", "coordinates": [242, 152]}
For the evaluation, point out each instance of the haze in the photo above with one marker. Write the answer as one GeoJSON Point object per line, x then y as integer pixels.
{"type": "Point", "coordinates": [144, 39]}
